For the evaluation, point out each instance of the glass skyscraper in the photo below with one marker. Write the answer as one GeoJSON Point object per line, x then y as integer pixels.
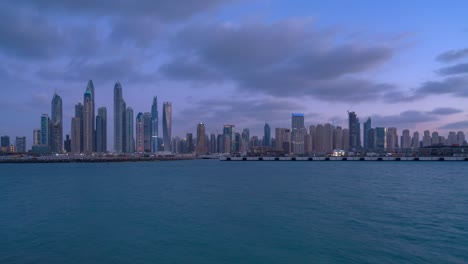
{"type": "Point", "coordinates": [297, 133]}
{"type": "Point", "coordinates": [56, 125]}
{"type": "Point", "coordinates": [167, 125]}
{"type": "Point", "coordinates": [154, 125]}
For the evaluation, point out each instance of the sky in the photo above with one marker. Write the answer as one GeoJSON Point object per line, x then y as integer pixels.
{"type": "Point", "coordinates": [402, 63]}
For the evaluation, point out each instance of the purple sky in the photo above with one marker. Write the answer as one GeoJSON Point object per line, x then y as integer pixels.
{"type": "Point", "coordinates": [239, 62]}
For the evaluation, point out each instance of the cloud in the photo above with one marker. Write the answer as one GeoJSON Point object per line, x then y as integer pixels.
{"type": "Point", "coordinates": [445, 111]}
{"type": "Point", "coordinates": [455, 69]}
{"type": "Point", "coordinates": [456, 125]}
{"type": "Point", "coordinates": [302, 61]}
{"type": "Point", "coordinates": [452, 55]}
{"type": "Point", "coordinates": [456, 86]}
{"type": "Point", "coordinates": [409, 119]}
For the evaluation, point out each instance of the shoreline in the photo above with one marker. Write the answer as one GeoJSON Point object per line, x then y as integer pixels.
{"type": "Point", "coordinates": [92, 160]}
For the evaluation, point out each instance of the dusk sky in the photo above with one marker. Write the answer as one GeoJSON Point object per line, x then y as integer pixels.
{"type": "Point", "coordinates": [403, 63]}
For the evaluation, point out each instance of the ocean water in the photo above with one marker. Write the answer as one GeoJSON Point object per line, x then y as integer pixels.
{"type": "Point", "coordinates": [206, 211]}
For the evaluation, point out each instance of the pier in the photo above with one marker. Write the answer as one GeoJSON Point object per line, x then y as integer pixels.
{"type": "Point", "coordinates": [343, 158]}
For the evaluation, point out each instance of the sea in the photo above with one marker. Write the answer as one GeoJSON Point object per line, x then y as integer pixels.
{"type": "Point", "coordinates": [209, 211]}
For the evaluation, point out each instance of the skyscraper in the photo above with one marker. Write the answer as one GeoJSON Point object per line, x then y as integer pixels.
{"type": "Point", "coordinates": [20, 144]}
{"type": "Point", "coordinates": [229, 138]}
{"type": "Point", "coordinates": [435, 138]}
{"type": "Point", "coordinates": [427, 141]}
{"type": "Point", "coordinates": [354, 132]}
{"type": "Point", "coordinates": [460, 138]}
{"type": "Point", "coordinates": [297, 133]}
{"type": "Point", "coordinates": [79, 114]}
{"type": "Point", "coordinates": [201, 140]}
{"type": "Point", "coordinates": [147, 131]}
{"type": "Point", "coordinates": [167, 125]}
{"type": "Point", "coordinates": [67, 144]}
{"type": "Point", "coordinates": [319, 138]}
{"type": "Point", "coordinates": [415, 140]}
{"type": "Point", "coordinates": [367, 128]}
{"type": "Point", "coordinates": [213, 144]}
{"type": "Point", "coordinates": [328, 137]}
{"type": "Point", "coordinates": [380, 138]}
{"type": "Point", "coordinates": [76, 135]}
{"type": "Point", "coordinates": [337, 136]}
{"type": "Point", "coordinates": [130, 140]}
{"type": "Point", "coordinates": [88, 122]}
{"type": "Point", "coordinates": [101, 130]}
{"type": "Point", "coordinates": [5, 141]}
{"type": "Point", "coordinates": [119, 118]}
{"type": "Point", "coordinates": [57, 124]}
{"type": "Point", "coordinates": [405, 139]}
{"type": "Point", "coordinates": [154, 125]}
{"type": "Point", "coordinates": [139, 133]}
{"type": "Point", "coordinates": [392, 139]}
{"type": "Point", "coordinates": [90, 88]}
{"type": "Point", "coordinates": [267, 135]}
{"type": "Point", "coordinates": [36, 137]}
{"type": "Point", "coordinates": [45, 130]}
{"type": "Point", "coordinates": [279, 135]}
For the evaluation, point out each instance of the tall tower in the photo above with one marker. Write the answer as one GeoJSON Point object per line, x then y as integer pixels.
{"type": "Point", "coordinates": [154, 125]}
{"type": "Point", "coordinates": [88, 122]}
{"type": "Point", "coordinates": [45, 130]}
{"type": "Point", "coordinates": [130, 140]}
{"type": "Point", "coordinates": [57, 124]}
{"type": "Point", "coordinates": [354, 132]}
{"type": "Point", "coordinates": [201, 140]}
{"type": "Point", "coordinates": [267, 135]}
{"type": "Point", "coordinates": [167, 125]}
{"type": "Point", "coordinates": [139, 133]}
{"type": "Point", "coordinates": [119, 117]}
{"type": "Point", "coordinates": [79, 115]}
{"type": "Point", "coordinates": [90, 88]}
{"type": "Point", "coordinates": [297, 133]}
{"type": "Point", "coordinates": [367, 128]}
{"type": "Point", "coordinates": [147, 132]}
{"type": "Point", "coordinates": [101, 130]}
{"type": "Point", "coordinates": [76, 135]}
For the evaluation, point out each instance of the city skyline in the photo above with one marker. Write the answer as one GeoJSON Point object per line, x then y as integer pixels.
{"type": "Point", "coordinates": [410, 74]}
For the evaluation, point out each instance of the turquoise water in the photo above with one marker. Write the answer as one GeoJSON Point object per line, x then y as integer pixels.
{"type": "Point", "coordinates": [234, 212]}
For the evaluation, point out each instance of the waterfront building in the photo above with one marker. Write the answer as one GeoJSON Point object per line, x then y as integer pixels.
{"type": "Point", "coordinates": [67, 144]}
{"type": "Point", "coordinates": [297, 133]}
{"type": "Point", "coordinates": [154, 125]}
{"type": "Point", "coordinates": [405, 139]}
{"type": "Point", "coordinates": [88, 122]}
{"type": "Point", "coordinates": [45, 130]}
{"type": "Point", "coordinates": [20, 143]}
{"type": "Point", "coordinates": [130, 139]}
{"type": "Point", "coordinates": [427, 141]}
{"type": "Point", "coordinates": [354, 131]}
{"type": "Point", "coordinates": [167, 125]}
{"type": "Point", "coordinates": [380, 138]}
{"type": "Point", "coordinates": [337, 135]}
{"type": "Point", "coordinates": [229, 134]}
{"type": "Point", "coordinates": [5, 141]}
{"type": "Point", "coordinates": [415, 140]}
{"type": "Point", "coordinates": [328, 137]}
{"type": "Point", "coordinates": [79, 114]}
{"type": "Point", "coordinates": [101, 130]}
{"type": "Point", "coordinates": [245, 139]}
{"type": "Point", "coordinates": [460, 138]}
{"type": "Point", "coordinates": [119, 119]}
{"type": "Point", "coordinates": [452, 139]}
{"type": "Point", "coordinates": [90, 88]}
{"type": "Point", "coordinates": [57, 125]}
{"type": "Point", "coordinates": [435, 140]}
{"type": "Point", "coordinates": [213, 143]}
{"type": "Point", "coordinates": [313, 136]}
{"type": "Point", "coordinates": [189, 143]}
{"type": "Point", "coordinates": [287, 141]}
{"type": "Point", "coordinates": [76, 135]}
{"type": "Point", "coordinates": [147, 132]}
{"type": "Point", "coordinates": [267, 135]}
{"type": "Point", "coordinates": [237, 142]}
{"type": "Point", "coordinates": [392, 139]}
{"type": "Point", "coordinates": [139, 133]}
{"type": "Point", "coordinates": [367, 128]}
{"type": "Point", "coordinates": [319, 139]}
{"type": "Point", "coordinates": [345, 139]}
{"type": "Point", "coordinates": [201, 140]}
{"type": "Point", "coordinates": [371, 138]}
{"type": "Point", "coordinates": [36, 137]}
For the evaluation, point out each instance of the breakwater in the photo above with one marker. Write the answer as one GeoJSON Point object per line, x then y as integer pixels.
{"type": "Point", "coordinates": [343, 159]}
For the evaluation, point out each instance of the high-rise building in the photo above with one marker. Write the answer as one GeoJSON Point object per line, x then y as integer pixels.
{"type": "Point", "coordinates": [427, 141]}
{"type": "Point", "coordinates": [460, 138]}
{"type": "Point", "coordinates": [90, 88]}
{"type": "Point", "coordinates": [287, 141]}
{"type": "Point", "coordinates": [201, 140]}
{"type": "Point", "coordinates": [45, 130]}
{"type": "Point", "coordinates": [88, 122]}
{"type": "Point", "coordinates": [139, 133]}
{"type": "Point", "coordinates": [328, 137]}
{"type": "Point", "coordinates": [130, 139]}
{"type": "Point", "coordinates": [267, 135]}
{"type": "Point", "coordinates": [279, 135]}
{"type": "Point", "coordinates": [345, 139]}
{"type": "Point", "coordinates": [319, 139]}
{"type": "Point", "coordinates": [313, 136]}
{"type": "Point", "coordinates": [405, 139]}
{"type": "Point", "coordinates": [167, 125]}
{"type": "Point", "coordinates": [147, 132]}
{"type": "Point", "coordinates": [354, 132]}
{"type": "Point", "coordinates": [245, 139]}
{"type": "Point", "coordinates": [5, 141]}
{"type": "Point", "coordinates": [392, 139]}
{"type": "Point", "coordinates": [452, 138]}
{"type": "Point", "coordinates": [337, 136]}
{"type": "Point", "coordinates": [76, 135]}
{"type": "Point", "coordinates": [297, 133]}
{"type": "Point", "coordinates": [67, 144]}
{"type": "Point", "coordinates": [213, 142]}
{"type": "Point", "coordinates": [367, 128]}
{"type": "Point", "coordinates": [79, 114]}
{"type": "Point", "coordinates": [380, 138]}
{"type": "Point", "coordinates": [435, 138]}
{"type": "Point", "coordinates": [119, 119]}
{"type": "Point", "coordinates": [57, 125]}
{"type": "Point", "coordinates": [20, 144]}
{"type": "Point", "coordinates": [189, 143]}
{"type": "Point", "coordinates": [415, 140]}
{"type": "Point", "coordinates": [229, 135]}
{"type": "Point", "coordinates": [101, 130]}
{"type": "Point", "coordinates": [371, 139]}
{"type": "Point", "coordinates": [36, 137]}
{"type": "Point", "coordinates": [154, 125]}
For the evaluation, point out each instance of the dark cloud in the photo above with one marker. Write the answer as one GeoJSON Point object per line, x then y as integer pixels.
{"type": "Point", "coordinates": [183, 68]}
{"type": "Point", "coordinates": [445, 111]}
{"type": "Point", "coordinates": [456, 125]}
{"type": "Point", "coordinates": [452, 55]}
{"type": "Point", "coordinates": [286, 58]}
{"type": "Point", "coordinates": [455, 69]}
{"type": "Point", "coordinates": [456, 86]}
{"type": "Point", "coordinates": [407, 119]}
